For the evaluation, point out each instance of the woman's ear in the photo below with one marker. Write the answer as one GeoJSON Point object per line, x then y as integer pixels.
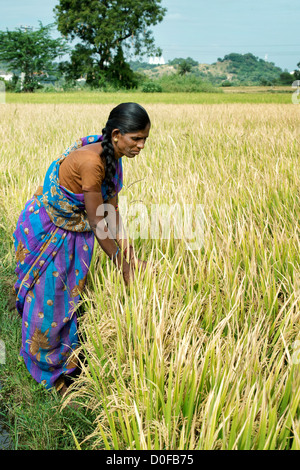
{"type": "Point", "coordinates": [115, 135]}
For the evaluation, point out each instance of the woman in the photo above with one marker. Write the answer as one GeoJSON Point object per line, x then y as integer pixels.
{"type": "Point", "coordinates": [54, 240]}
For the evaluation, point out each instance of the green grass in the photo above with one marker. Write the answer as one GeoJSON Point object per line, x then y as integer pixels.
{"type": "Point", "coordinates": [31, 414]}
{"type": "Point", "coordinates": [87, 97]}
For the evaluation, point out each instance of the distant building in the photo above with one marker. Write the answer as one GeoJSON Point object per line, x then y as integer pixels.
{"type": "Point", "coordinates": [157, 61]}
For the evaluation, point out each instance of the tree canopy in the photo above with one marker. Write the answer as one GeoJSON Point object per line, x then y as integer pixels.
{"type": "Point", "coordinates": [105, 28]}
{"type": "Point", "coordinates": [297, 72]}
{"type": "Point", "coordinates": [178, 61]}
{"type": "Point", "coordinates": [31, 52]}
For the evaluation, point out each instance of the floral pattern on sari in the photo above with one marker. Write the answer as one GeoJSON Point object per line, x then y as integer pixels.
{"type": "Point", "coordinates": [54, 246]}
{"type": "Point", "coordinates": [62, 205]}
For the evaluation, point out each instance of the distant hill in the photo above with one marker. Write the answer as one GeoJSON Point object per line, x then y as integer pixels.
{"type": "Point", "coordinates": [233, 70]}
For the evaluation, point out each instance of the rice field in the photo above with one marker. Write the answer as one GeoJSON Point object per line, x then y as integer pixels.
{"type": "Point", "coordinates": [272, 95]}
{"type": "Point", "coordinates": [202, 351]}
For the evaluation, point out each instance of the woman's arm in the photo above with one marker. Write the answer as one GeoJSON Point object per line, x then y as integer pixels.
{"type": "Point", "coordinates": [118, 232]}
{"type": "Point", "coordinates": [116, 226]}
{"type": "Point", "coordinates": [96, 216]}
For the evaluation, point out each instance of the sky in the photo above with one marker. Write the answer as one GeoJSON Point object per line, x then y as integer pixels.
{"type": "Point", "coordinates": [202, 29]}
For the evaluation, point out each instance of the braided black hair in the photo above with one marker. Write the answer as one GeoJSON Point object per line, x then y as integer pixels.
{"type": "Point", "coordinates": [127, 117]}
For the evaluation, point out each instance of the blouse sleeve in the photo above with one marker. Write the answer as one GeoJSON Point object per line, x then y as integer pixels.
{"type": "Point", "coordinates": [92, 173]}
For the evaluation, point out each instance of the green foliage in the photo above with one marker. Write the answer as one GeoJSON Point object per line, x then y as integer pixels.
{"type": "Point", "coordinates": [184, 83]}
{"type": "Point", "coordinates": [178, 61]}
{"type": "Point", "coordinates": [119, 73]}
{"type": "Point", "coordinates": [141, 66]}
{"type": "Point", "coordinates": [110, 96]}
{"type": "Point", "coordinates": [285, 78]}
{"type": "Point", "coordinates": [106, 29]}
{"type": "Point", "coordinates": [151, 87]}
{"type": "Point", "coordinates": [250, 70]}
{"type": "Point", "coordinates": [234, 70]}
{"type": "Point", "coordinates": [184, 68]}
{"type": "Point", "coordinates": [226, 83]}
{"type": "Point", "coordinates": [11, 85]}
{"type": "Point", "coordinates": [31, 52]}
{"type": "Point", "coordinates": [297, 72]}
{"type": "Point", "coordinates": [81, 63]}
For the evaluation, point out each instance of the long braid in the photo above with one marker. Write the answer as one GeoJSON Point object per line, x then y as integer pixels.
{"type": "Point", "coordinates": [110, 160]}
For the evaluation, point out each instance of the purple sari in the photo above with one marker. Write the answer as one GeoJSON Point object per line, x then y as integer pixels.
{"type": "Point", "coordinates": [54, 246]}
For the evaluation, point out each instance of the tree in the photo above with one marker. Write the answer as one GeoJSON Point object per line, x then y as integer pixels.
{"type": "Point", "coordinates": [297, 72]}
{"type": "Point", "coordinates": [31, 52]}
{"type": "Point", "coordinates": [188, 60]}
{"type": "Point", "coordinates": [285, 78]}
{"type": "Point", "coordinates": [81, 63]}
{"type": "Point", "coordinates": [184, 67]}
{"type": "Point", "coordinates": [120, 73]}
{"type": "Point", "coordinates": [107, 27]}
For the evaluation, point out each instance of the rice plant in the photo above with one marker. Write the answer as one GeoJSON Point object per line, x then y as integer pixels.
{"type": "Point", "coordinates": [201, 351]}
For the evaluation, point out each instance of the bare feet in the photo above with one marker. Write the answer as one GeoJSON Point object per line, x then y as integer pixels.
{"type": "Point", "coordinates": [62, 389]}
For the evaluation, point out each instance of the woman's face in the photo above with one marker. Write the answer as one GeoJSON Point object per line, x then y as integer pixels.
{"type": "Point", "coordinates": [129, 144]}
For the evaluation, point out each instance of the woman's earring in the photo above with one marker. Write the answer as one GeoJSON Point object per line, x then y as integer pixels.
{"type": "Point", "coordinates": [116, 140]}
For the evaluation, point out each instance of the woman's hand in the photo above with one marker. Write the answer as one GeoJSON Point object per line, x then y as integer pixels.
{"type": "Point", "coordinates": [133, 261]}
{"type": "Point", "coordinates": [140, 264]}
{"type": "Point", "coordinates": [127, 270]}
{"type": "Point", "coordinates": [128, 276]}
